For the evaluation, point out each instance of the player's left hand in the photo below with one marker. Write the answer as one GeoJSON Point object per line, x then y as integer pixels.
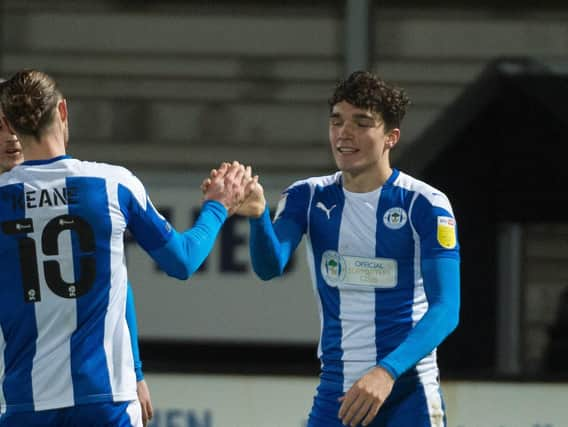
{"type": "Point", "coordinates": [364, 399]}
{"type": "Point", "coordinates": [227, 185]}
{"type": "Point", "coordinates": [252, 202]}
{"type": "Point", "coordinates": [145, 401]}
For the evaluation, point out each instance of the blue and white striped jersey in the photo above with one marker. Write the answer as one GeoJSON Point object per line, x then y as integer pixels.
{"type": "Point", "coordinates": [64, 339]}
{"type": "Point", "coordinates": [365, 252]}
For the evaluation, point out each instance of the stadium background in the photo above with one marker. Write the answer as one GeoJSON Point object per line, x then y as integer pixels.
{"type": "Point", "coordinates": [171, 88]}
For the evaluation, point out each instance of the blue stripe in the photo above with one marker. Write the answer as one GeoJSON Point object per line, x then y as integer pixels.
{"type": "Point", "coordinates": [88, 359]}
{"type": "Point", "coordinates": [324, 235]}
{"type": "Point", "coordinates": [148, 227]}
{"type": "Point", "coordinates": [393, 307]}
{"type": "Point", "coordinates": [17, 317]}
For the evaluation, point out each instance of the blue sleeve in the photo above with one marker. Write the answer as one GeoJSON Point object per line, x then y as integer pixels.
{"type": "Point", "coordinates": [150, 229]}
{"type": "Point", "coordinates": [182, 255]}
{"type": "Point", "coordinates": [271, 246]}
{"type": "Point", "coordinates": [133, 329]}
{"type": "Point", "coordinates": [442, 287]}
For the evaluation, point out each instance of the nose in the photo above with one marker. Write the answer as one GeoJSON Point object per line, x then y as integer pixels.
{"type": "Point", "coordinates": [346, 128]}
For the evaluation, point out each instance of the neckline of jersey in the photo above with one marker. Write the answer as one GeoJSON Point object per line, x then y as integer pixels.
{"type": "Point", "coordinates": [389, 181]}
{"type": "Point", "coordinates": [45, 161]}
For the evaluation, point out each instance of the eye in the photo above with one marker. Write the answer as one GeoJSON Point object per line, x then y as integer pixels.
{"type": "Point", "coordinates": [335, 121]}
{"type": "Point", "coordinates": [365, 123]}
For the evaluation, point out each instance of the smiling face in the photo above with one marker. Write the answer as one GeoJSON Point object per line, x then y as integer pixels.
{"type": "Point", "coordinates": [359, 143]}
{"type": "Point", "coordinates": [10, 149]}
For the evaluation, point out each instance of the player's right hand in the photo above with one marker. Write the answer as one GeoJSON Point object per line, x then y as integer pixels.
{"type": "Point", "coordinates": [254, 202]}
{"type": "Point", "coordinates": [226, 185]}
{"type": "Point", "coordinates": [363, 400]}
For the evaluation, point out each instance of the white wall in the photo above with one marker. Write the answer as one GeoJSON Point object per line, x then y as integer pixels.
{"type": "Point", "coordinates": [220, 305]}
{"type": "Point", "coordinates": [243, 401]}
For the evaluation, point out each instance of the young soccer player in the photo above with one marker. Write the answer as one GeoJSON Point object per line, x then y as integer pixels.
{"type": "Point", "coordinates": [66, 355]}
{"type": "Point", "coordinates": [11, 155]}
{"type": "Point", "coordinates": [384, 260]}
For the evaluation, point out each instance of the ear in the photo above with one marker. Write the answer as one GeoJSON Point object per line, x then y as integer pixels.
{"type": "Point", "coordinates": [62, 108]}
{"type": "Point", "coordinates": [392, 138]}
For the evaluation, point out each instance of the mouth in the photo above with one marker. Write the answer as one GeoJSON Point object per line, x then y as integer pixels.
{"type": "Point", "coordinates": [347, 150]}
{"type": "Point", "coordinates": [13, 151]}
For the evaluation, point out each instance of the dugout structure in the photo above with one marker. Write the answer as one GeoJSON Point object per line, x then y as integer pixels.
{"type": "Point", "coordinates": [500, 153]}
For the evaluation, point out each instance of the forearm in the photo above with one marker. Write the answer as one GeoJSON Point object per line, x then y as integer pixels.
{"type": "Point", "coordinates": [185, 252]}
{"type": "Point", "coordinates": [271, 249]}
{"type": "Point", "coordinates": [441, 282]}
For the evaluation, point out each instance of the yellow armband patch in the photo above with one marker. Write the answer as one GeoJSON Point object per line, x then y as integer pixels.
{"type": "Point", "coordinates": [446, 232]}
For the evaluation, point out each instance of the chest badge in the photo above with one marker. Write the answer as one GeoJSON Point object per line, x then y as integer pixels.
{"type": "Point", "coordinates": [332, 267]}
{"type": "Point", "coordinates": [395, 218]}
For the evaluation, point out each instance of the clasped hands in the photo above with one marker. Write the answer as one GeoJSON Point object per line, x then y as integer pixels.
{"type": "Point", "coordinates": [233, 185]}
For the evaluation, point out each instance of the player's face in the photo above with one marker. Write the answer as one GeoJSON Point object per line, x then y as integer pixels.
{"type": "Point", "coordinates": [10, 149]}
{"type": "Point", "coordinates": [358, 140]}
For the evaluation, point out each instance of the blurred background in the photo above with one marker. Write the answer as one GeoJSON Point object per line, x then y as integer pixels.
{"type": "Point", "coordinates": [171, 88]}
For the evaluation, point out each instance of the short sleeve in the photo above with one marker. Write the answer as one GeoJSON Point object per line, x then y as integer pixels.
{"type": "Point", "coordinates": [433, 219]}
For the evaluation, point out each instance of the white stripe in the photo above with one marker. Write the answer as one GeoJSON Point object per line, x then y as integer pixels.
{"type": "Point", "coordinates": [353, 370]}
{"type": "Point", "coordinates": [313, 275]}
{"type": "Point", "coordinates": [358, 332]}
{"type": "Point", "coordinates": [311, 266]}
{"type": "Point", "coordinates": [357, 307]}
{"type": "Point", "coordinates": [134, 411]}
{"type": "Point", "coordinates": [56, 320]}
{"type": "Point", "coordinates": [434, 403]}
{"type": "Point", "coordinates": [117, 345]}
{"type": "Point", "coordinates": [2, 363]}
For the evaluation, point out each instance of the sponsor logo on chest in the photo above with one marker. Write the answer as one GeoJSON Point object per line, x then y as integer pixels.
{"type": "Point", "coordinates": [338, 270]}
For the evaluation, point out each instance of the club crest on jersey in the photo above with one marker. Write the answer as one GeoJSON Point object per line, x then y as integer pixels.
{"type": "Point", "coordinates": [332, 267]}
{"type": "Point", "coordinates": [395, 218]}
{"type": "Point", "coordinates": [446, 232]}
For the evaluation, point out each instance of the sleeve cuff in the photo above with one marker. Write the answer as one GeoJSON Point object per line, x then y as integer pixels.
{"type": "Point", "coordinates": [218, 208]}
{"type": "Point", "coordinates": [139, 373]}
{"type": "Point", "coordinates": [263, 218]}
{"type": "Point", "coordinates": [390, 369]}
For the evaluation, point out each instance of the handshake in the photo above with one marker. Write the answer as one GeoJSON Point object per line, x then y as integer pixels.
{"type": "Point", "coordinates": [234, 186]}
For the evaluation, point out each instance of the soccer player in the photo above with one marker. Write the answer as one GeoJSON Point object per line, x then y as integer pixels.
{"type": "Point", "coordinates": [384, 260]}
{"type": "Point", "coordinates": [11, 155]}
{"type": "Point", "coordinates": [66, 351]}
{"type": "Point", "coordinates": [10, 148]}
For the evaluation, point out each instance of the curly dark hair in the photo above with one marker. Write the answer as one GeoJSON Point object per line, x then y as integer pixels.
{"type": "Point", "coordinates": [366, 90]}
{"type": "Point", "coordinates": [28, 100]}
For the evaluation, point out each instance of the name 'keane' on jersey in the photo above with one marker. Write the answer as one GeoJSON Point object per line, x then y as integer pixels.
{"type": "Point", "coordinates": [44, 197]}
